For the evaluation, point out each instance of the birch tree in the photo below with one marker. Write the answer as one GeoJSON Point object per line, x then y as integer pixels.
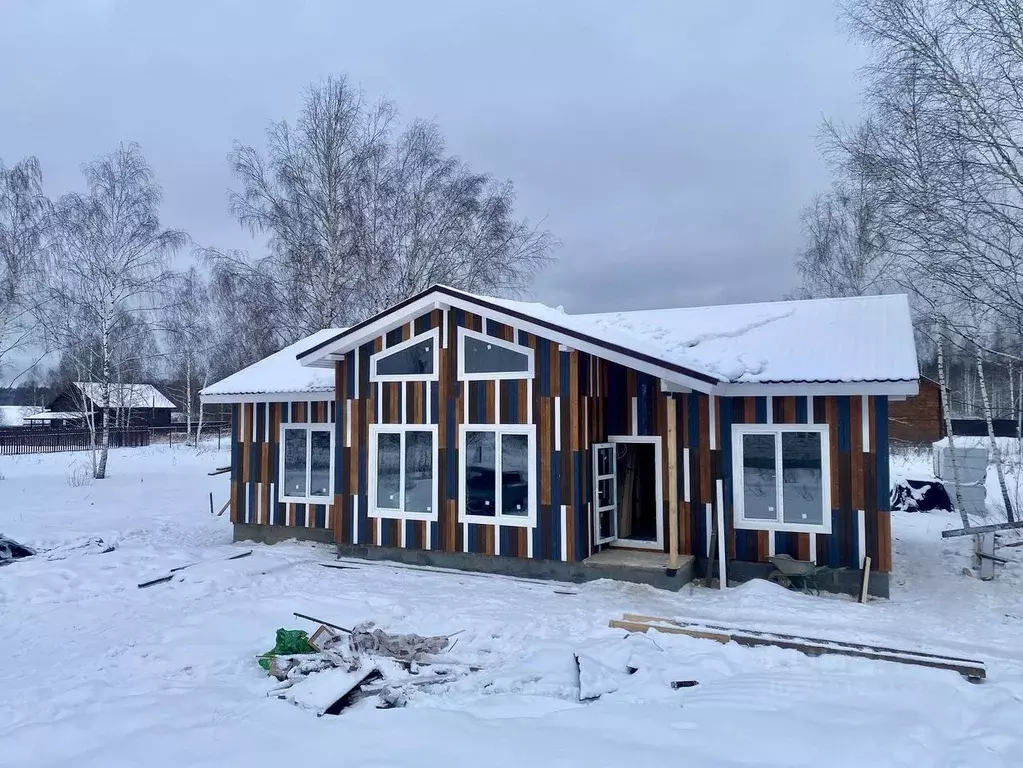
{"type": "Point", "coordinates": [360, 212]}
{"type": "Point", "coordinates": [190, 339]}
{"type": "Point", "coordinates": [110, 269]}
{"type": "Point", "coordinates": [23, 212]}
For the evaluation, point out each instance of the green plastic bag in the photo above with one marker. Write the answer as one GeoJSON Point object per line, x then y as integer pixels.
{"type": "Point", "coordinates": [289, 642]}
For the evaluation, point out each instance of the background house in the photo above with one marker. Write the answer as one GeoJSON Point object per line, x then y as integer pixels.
{"type": "Point", "coordinates": [134, 405]}
{"type": "Point", "coordinates": [917, 419]}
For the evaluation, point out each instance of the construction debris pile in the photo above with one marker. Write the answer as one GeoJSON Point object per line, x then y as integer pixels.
{"type": "Point", "coordinates": [10, 550]}
{"type": "Point", "coordinates": [336, 667]}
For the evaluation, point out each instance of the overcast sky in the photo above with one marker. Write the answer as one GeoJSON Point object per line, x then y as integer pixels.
{"type": "Point", "coordinates": [668, 145]}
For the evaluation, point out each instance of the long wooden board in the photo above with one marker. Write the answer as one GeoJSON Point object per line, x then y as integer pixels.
{"type": "Point", "coordinates": [972, 670]}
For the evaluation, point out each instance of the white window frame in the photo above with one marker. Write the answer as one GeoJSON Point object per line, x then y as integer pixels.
{"type": "Point", "coordinates": [400, 514]}
{"type": "Point", "coordinates": [738, 495]}
{"type": "Point", "coordinates": [465, 333]}
{"type": "Point", "coordinates": [433, 333]}
{"type": "Point", "coordinates": [307, 428]}
{"type": "Point", "coordinates": [520, 521]}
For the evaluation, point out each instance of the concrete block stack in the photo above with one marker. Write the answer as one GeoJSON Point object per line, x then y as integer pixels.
{"type": "Point", "coordinates": [972, 465]}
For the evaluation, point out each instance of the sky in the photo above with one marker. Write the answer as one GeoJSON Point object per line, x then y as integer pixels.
{"type": "Point", "coordinates": [669, 146]}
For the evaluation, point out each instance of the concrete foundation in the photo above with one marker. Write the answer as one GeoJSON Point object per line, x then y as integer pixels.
{"type": "Point", "coordinates": [618, 564]}
{"type": "Point", "coordinates": [842, 581]}
{"type": "Point", "coordinates": [274, 534]}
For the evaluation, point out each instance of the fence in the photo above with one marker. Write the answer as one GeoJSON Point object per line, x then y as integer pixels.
{"type": "Point", "coordinates": [978, 427]}
{"type": "Point", "coordinates": [15, 441]}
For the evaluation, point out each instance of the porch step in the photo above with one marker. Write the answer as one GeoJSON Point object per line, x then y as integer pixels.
{"type": "Point", "coordinates": [640, 567]}
{"type": "Point", "coordinates": [632, 558]}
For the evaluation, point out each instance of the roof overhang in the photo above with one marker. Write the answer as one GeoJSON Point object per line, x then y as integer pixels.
{"type": "Point", "coordinates": [267, 397]}
{"type": "Point", "coordinates": [899, 388]}
{"type": "Point", "coordinates": [327, 353]}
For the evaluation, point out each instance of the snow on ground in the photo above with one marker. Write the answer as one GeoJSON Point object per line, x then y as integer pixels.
{"type": "Point", "coordinates": [97, 672]}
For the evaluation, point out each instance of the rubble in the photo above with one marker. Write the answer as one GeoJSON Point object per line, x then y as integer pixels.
{"type": "Point", "coordinates": [10, 550]}
{"type": "Point", "coordinates": [336, 667]}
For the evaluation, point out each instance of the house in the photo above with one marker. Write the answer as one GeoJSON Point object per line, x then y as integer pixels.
{"type": "Point", "coordinates": [917, 419]}
{"type": "Point", "coordinates": [484, 433]}
{"type": "Point", "coordinates": [135, 405]}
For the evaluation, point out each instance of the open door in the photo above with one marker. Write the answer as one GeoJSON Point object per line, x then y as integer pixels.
{"type": "Point", "coordinates": [605, 493]}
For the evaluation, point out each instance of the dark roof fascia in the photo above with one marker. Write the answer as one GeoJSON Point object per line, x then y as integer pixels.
{"type": "Point", "coordinates": [484, 304]}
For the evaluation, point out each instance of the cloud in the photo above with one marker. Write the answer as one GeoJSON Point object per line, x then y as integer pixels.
{"type": "Point", "coordinates": [669, 146]}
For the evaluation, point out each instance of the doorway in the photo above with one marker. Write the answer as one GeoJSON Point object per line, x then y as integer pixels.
{"type": "Point", "coordinates": [637, 492]}
{"type": "Point", "coordinates": [627, 492]}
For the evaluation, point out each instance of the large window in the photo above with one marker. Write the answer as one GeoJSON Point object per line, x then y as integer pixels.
{"type": "Point", "coordinates": [412, 360]}
{"type": "Point", "coordinates": [486, 357]}
{"type": "Point", "coordinates": [497, 474]}
{"type": "Point", "coordinates": [781, 477]}
{"type": "Point", "coordinates": [307, 452]}
{"type": "Point", "coordinates": [403, 471]}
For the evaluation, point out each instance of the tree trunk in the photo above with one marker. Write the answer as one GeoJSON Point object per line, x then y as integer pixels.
{"type": "Point", "coordinates": [946, 406]}
{"type": "Point", "coordinates": [198, 429]}
{"type": "Point", "coordinates": [104, 448]}
{"type": "Point", "coordinates": [996, 456]}
{"type": "Point", "coordinates": [188, 401]}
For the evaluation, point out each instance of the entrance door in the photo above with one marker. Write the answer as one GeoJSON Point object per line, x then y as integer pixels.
{"type": "Point", "coordinates": [605, 493]}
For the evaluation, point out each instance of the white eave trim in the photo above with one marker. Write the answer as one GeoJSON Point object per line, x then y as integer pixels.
{"type": "Point", "coordinates": [326, 356]}
{"type": "Point", "coordinates": [268, 397]}
{"type": "Point", "coordinates": [889, 388]}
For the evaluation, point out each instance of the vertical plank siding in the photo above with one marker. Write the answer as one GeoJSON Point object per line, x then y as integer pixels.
{"type": "Point", "coordinates": [255, 456]}
{"type": "Point", "coordinates": [575, 400]}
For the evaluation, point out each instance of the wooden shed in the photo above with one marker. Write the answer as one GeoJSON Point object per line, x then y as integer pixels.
{"type": "Point", "coordinates": [917, 419]}
{"type": "Point", "coordinates": [485, 433]}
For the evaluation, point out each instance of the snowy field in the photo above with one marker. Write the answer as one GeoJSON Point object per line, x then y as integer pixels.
{"type": "Point", "coordinates": [99, 673]}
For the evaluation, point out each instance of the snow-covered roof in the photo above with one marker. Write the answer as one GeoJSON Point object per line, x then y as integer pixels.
{"type": "Point", "coordinates": [279, 374]}
{"type": "Point", "coordinates": [857, 339]}
{"type": "Point", "coordinates": [126, 395]}
{"type": "Point", "coordinates": [728, 348]}
{"type": "Point", "coordinates": [13, 415]}
{"type": "Point", "coordinates": [53, 416]}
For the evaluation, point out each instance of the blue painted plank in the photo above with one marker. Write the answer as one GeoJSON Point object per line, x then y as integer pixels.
{"type": "Point", "coordinates": [881, 438]}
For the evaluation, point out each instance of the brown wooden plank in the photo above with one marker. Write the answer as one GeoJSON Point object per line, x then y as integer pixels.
{"type": "Point", "coordinates": [803, 546]}
{"type": "Point", "coordinates": [490, 402]}
{"type": "Point", "coordinates": [884, 542]}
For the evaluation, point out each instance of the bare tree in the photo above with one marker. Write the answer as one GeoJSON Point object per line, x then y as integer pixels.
{"type": "Point", "coordinates": [23, 212]}
{"type": "Point", "coordinates": [190, 339]}
{"type": "Point", "coordinates": [359, 214]}
{"type": "Point", "coordinates": [110, 269]}
{"type": "Point", "coordinates": [847, 251]}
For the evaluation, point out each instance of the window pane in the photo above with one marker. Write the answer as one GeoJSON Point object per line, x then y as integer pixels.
{"type": "Point", "coordinates": [605, 492]}
{"type": "Point", "coordinates": [294, 462]}
{"type": "Point", "coordinates": [413, 360]}
{"type": "Point", "coordinates": [480, 473]}
{"type": "Point", "coordinates": [802, 478]}
{"type": "Point", "coordinates": [759, 477]}
{"type": "Point", "coordinates": [319, 466]}
{"type": "Point", "coordinates": [604, 461]}
{"type": "Point", "coordinates": [514, 474]}
{"type": "Point", "coordinates": [388, 470]}
{"type": "Point", "coordinates": [483, 357]}
{"type": "Point", "coordinates": [418, 471]}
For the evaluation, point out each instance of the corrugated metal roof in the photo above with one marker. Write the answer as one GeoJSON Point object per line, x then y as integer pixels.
{"type": "Point", "coordinates": [279, 373]}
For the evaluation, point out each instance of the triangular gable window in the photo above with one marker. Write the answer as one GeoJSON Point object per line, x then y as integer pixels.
{"type": "Point", "coordinates": [487, 357]}
{"type": "Point", "coordinates": [412, 360]}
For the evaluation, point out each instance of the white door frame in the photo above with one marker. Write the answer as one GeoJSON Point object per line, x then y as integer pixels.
{"type": "Point", "coordinates": [654, 440]}
{"type": "Point", "coordinates": [596, 448]}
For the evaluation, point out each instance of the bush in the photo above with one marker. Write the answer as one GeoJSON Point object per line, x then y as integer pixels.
{"type": "Point", "coordinates": [80, 476]}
